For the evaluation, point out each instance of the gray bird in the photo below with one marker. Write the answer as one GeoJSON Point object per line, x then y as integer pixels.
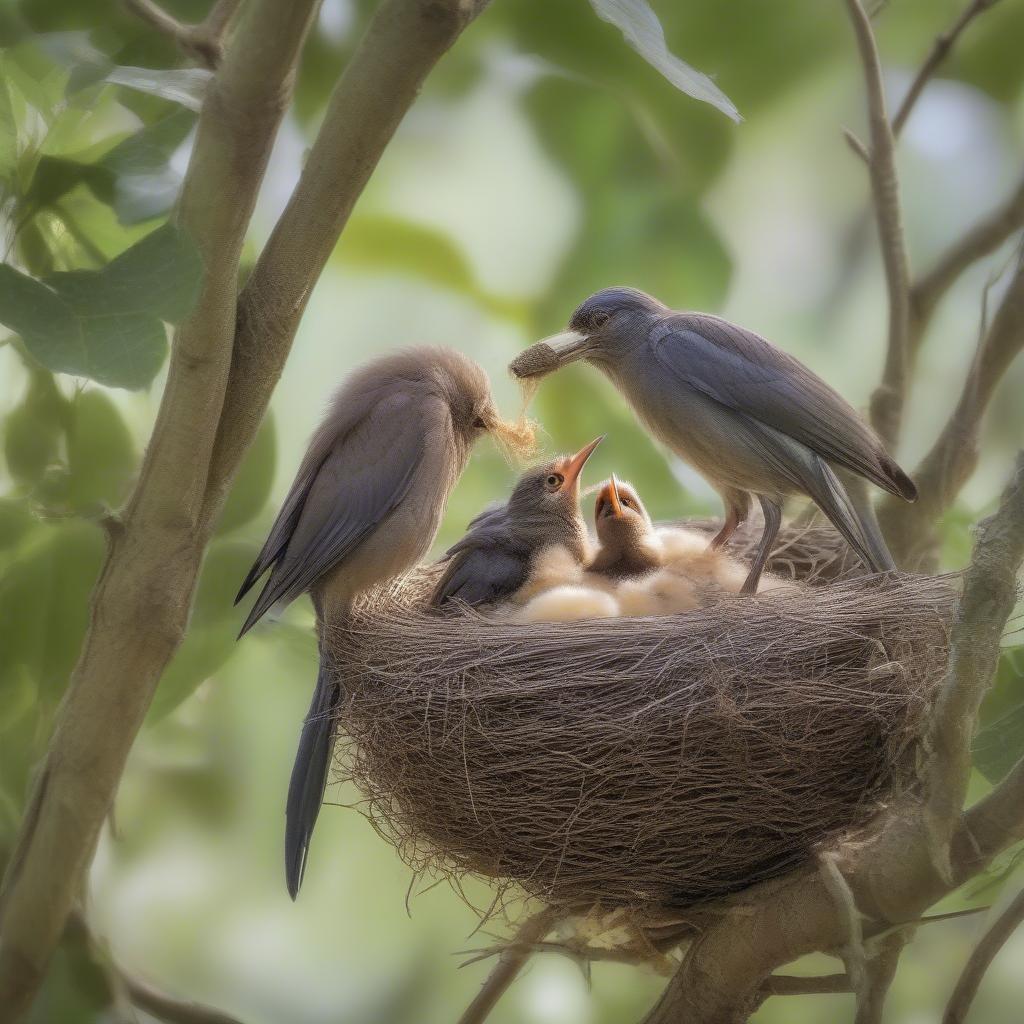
{"type": "Point", "coordinates": [364, 507]}
{"type": "Point", "coordinates": [625, 534]}
{"type": "Point", "coordinates": [494, 558]}
{"type": "Point", "coordinates": [748, 416]}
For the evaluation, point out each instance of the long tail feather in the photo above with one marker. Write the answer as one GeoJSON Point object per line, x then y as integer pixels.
{"type": "Point", "coordinates": [851, 513]}
{"type": "Point", "coordinates": [309, 776]}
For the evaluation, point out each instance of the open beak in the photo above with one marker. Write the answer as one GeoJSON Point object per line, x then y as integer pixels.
{"type": "Point", "coordinates": [613, 496]}
{"type": "Point", "coordinates": [549, 354]}
{"type": "Point", "coordinates": [575, 465]}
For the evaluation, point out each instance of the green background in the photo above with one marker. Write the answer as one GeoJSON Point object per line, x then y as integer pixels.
{"type": "Point", "coordinates": [543, 160]}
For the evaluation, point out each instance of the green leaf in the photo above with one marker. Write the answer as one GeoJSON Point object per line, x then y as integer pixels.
{"type": "Point", "coordinates": [999, 744]}
{"type": "Point", "coordinates": [32, 430]}
{"type": "Point", "coordinates": [44, 601]}
{"type": "Point", "coordinates": [101, 456]}
{"type": "Point", "coordinates": [106, 324]}
{"type": "Point", "coordinates": [185, 86]}
{"type": "Point", "coordinates": [379, 241]}
{"type": "Point", "coordinates": [15, 521]}
{"type": "Point", "coordinates": [640, 27]}
{"type": "Point", "coordinates": [17, 697]}
{"type": "Point", "coordinates": [255, 477]}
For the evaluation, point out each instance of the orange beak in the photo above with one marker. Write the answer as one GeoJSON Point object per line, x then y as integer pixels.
{"type": "Point", "coordinates": [574, 466]}
{"type": "Point", "coordinates": [612, 488]}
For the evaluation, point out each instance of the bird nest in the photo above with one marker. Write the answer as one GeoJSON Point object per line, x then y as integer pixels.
{"type": "Point", "coordinates": [640, 763]}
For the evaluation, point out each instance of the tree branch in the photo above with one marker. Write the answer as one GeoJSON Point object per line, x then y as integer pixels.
{"type": "Point", "coordinates": [992, 825]}
{"type": "Point", "coordinates": [510, 963]}
{"type": "Point", "coordinates": [140, 603]}
{"type": "Point", "coordinates": [939, 51]}
{"type": "Point", "coordinates": [225, 362]}
{"type": "Point", "coordinates": [362, 115]}
{"type": "Point", "coordinates": [981, 959]}
{"type": "Point", "coordinates": [989, 595]}
{"type": "Point", "coordinates": [942, 473]}
{"type": "Point", "coordinates": [887, 401]}
{"type": "Point", "coordinates": [204, 42]}
{"type": "Point", "coordinates": [879, 973]}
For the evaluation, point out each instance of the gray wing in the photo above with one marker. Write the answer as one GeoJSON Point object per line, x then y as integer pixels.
{"type": "Point", "coordinates": [746, 373]}
{"type": "Point", "coordinates": [480, 576]}
{"type": "Point", "coordinates": [485, 565]}
{"type": "Point", "coordinates": [362, 478]}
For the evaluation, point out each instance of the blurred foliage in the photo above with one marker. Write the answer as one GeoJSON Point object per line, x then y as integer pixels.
{"type": "Point", "coordinates": [96, 116]}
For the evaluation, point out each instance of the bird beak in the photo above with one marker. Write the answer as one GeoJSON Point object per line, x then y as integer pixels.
{"type": "Point", "coordinates": [575, 465]}
{"type": "Point", "coordinates": [548, 355]}
{"type": "Point", "coordinates": [613, 496]}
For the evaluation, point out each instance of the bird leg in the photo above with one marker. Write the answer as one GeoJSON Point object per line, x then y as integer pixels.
{"type": "Point", "coordinates": [772, 521]}
{"type": "Point", "coordinates": [737, 507]}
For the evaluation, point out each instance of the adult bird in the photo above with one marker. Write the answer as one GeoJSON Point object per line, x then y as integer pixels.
{"type": "Point", "coordinates": [496, 556]}
{"type": "Point", "coordinates": [365, 506]}
{"type": "Point", "coordinates": [746, 415]}
{"type": "Point", "coordinates": [627, 542]}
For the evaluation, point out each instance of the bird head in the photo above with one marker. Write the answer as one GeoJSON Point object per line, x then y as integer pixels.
{"type": "Point", "coordinates": [552, 488]}
{"type": "Point", "coordinates": [619, 512]}
{"type": "Point", "coordinates": [464, 385]}
{"type": "Point", "coordinates": [604, 327]}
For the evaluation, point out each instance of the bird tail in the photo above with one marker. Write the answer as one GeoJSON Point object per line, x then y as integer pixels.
{"type": "Point", "coordinates": [309, 775]}
{"type": "Point", "coordinates": [850, 511]}
{"type": "Point", "coordinates": [904, 486]}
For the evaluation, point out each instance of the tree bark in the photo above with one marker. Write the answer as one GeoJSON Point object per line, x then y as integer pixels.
{"type": "Point", "coordinates": [218, 387]}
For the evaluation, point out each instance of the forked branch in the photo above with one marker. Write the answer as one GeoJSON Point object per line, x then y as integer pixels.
{"type": "Point", "coordinates": [939, 52]}
{"type": "Point", "coordinates": [204, 42]}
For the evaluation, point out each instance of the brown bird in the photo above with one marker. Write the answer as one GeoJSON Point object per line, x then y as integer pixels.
{"type": "Point", "coordinates": [364, 507]}
{"type": "Point", "coordinates": [496, 556]}
{"type": "Point", "coordinates": [748, 416]}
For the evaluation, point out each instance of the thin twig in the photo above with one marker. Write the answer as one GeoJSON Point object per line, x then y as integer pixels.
{"type": "Point", "coordinates": [204, 41]}
{"type": "Point", "coordinates": [939, 51]}
{"type": "Point", "coordinates": [790, 985]}
{"type": "Point", "coordinates": [509, 964]}
{"type": "Point", "coordinates": [942, 473]}
{"type": "Point", "coordinates": [852, 951]}
{"type": "Point", "coordinates": [981, 959]}
{"type": "Point", "coordinates": [887, 401]}
{"type": "Point", "coordinates": [978, 242]}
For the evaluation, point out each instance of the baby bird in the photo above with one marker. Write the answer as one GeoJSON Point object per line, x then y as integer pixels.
{"type": "Point", "coordinates": [499, 551]}
{"type": "Point", "coordinates": [629, 545]}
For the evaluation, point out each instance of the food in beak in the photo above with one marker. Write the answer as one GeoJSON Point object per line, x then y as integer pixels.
{"type": "Point", "coordinates": [548, 355]}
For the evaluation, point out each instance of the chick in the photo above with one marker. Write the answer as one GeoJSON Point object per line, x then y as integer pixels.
{"type": "Point", "coordinates": [568, 603]}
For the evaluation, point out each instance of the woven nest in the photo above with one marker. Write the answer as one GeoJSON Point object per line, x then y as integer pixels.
{"type": "Point", "coordinates": [640, 763]}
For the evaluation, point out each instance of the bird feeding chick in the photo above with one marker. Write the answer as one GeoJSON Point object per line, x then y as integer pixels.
{"type": "Point", "coordinates": [497, 556]}
{"type": "Point", "coordinates": [364, 507]}
{"type": "Point", "coordinates": [746, 415]}
{"type": "Point", "coordinates": [638, 568]}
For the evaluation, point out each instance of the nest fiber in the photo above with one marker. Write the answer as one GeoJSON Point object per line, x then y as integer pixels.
{"type": "Point", "coordinates": [644, 762]}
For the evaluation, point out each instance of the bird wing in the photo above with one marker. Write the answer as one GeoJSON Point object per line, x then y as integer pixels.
{"type": "Point", "coordinates": [484, 566]}
{"type": "Point", "coordinates": [361, 479]}
{"type": "Point", "coordinates": [746, 373]}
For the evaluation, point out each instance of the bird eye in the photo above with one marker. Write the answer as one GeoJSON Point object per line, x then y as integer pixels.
{"type": "Point", "coordinates": [599, 319]}
{"type": "Point", "coordinates": [628, 502]}
{"type": "Point", "coordinates": [554, 481]}
{"type": "Point", "coordinates": [479, 424]}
